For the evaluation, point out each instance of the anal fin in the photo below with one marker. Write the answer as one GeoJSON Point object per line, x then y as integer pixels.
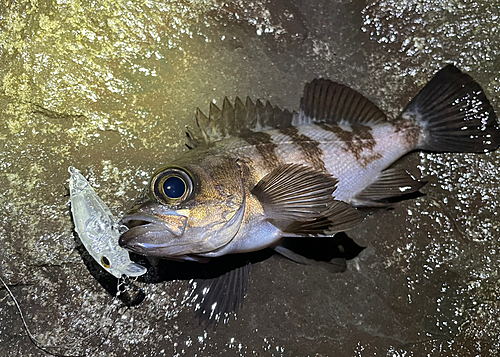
{"type": "Point", "coordinates": [390, 184]}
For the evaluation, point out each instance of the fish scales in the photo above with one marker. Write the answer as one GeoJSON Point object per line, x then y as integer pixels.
{"type": "Point", "coordinates": [306, 149]}
{"type": "Point", "coordinates": [354, 155]}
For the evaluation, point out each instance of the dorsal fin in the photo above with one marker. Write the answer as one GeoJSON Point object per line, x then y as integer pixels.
{"type": "Point", "coordinates": [237, 119]}
{"type": "Point", "coordinates": [328, 102]}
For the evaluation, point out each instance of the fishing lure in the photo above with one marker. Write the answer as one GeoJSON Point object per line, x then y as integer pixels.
{"type": "Point", "coordinates": [98, 229]}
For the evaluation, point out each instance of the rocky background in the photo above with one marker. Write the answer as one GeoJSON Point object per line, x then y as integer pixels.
{"type": "Point", "coordinates": [108, 86]}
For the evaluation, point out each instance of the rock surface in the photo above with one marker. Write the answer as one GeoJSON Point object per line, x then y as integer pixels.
{"type": "Point", "coordinates": [108, 87]}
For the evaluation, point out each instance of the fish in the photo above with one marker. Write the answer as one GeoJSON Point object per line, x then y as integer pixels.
{"type": "Point", "coordinates": [98, 230]}
{"type": "Point", "coordinates": [257, 174]}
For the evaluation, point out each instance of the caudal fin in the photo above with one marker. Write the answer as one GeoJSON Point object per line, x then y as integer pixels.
{"type": "Point", "coordinates": [454, 115]}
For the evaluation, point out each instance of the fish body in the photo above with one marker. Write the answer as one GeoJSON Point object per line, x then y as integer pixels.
{"type": "Point", "coordinates": [98, 229]}
{"type": "Point", "coordinates": [257, 174]}
{"type": "Point", "coordinates": [325, 149]}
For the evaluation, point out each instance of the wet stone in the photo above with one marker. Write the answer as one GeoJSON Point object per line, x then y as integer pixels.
{"type": "Point", "coordinates": [109, 89]}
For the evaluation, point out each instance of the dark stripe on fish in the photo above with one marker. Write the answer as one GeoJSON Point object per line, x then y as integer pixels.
{"type": "Point", "coordinates": [311, 151]}
{"type": "Point", "coordinates": [356, 142]}
{"type": "Point", "coordinates": [266, 147]}
{"type": "Point", "coordinates": [410, 129]}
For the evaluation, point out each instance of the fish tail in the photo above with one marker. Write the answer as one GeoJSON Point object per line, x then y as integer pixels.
{"type": "Point", "coordinates": [453, 115]}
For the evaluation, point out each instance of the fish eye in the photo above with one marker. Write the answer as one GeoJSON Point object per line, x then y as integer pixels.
{"type": "Point", "coordinates": [105, 262]}
{"type": "Point", "coordinates": [171, 185]}
{"type": "Point", "coordinates": [174, 187]}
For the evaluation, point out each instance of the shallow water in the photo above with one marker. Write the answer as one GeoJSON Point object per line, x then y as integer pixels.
{"type": "Point", "coordinates": [108, 89]}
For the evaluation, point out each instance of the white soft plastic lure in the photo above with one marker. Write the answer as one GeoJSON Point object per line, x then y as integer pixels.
{"type": "Point", "coordinates": [98, 229]}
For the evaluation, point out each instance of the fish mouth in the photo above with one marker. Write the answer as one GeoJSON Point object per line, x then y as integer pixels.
{"type": "Point", "coordinates": [148, 233]}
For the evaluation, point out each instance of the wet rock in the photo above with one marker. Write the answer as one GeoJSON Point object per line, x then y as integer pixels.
{"type": "Point", "coordinates": [109, 90]}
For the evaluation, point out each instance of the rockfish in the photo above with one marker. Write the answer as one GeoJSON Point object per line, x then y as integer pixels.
{"type": "Point", "coordinates": [257, 174]}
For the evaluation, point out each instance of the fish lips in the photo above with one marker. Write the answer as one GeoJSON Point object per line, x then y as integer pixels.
{"type": "Point", "coordinates": [148, 234]}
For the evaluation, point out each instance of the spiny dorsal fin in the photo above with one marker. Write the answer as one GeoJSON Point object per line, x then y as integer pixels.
{"type": "Point", "coordinates": [240, 114]}
{"type": "Point", "coordinates": [228, 117]}
{"type": "Point", "coordinates": [328, 102]}
{"type": "Point", "coordinates": [250, 111]}
{"type": "Point", "coordinates": [237, 119]}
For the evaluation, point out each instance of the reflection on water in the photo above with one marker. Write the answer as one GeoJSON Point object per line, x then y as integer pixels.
{"type": "Point", "coordinates": [109, 86]}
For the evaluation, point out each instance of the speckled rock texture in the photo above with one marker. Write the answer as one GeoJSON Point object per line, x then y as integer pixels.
{"type": "Point", "coordinates": [108, 86]}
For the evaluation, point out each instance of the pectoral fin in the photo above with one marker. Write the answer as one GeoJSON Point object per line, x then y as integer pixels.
{"type": "Point", "coordinates": [293, 193]}
{"type": "Point", "coordinates": [339, 217]}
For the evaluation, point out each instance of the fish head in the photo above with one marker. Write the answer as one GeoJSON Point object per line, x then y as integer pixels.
{"type": "Point", "coordinates": [193, 207]}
